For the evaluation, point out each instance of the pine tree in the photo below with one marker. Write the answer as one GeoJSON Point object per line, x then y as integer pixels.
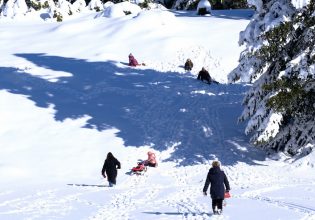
{"type": "Point", "coordinates": [280, 62]}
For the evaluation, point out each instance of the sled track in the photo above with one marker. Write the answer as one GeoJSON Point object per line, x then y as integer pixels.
{"type": "Point", "coordinates": [283, 204]}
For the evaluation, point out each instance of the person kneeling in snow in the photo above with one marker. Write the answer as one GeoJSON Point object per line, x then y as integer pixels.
{"type": "Point", "coordinates": [204, 75]}
{"type": "Point", "coordinates": [151, 161]}
{"type": "Point", "coordinates": [133, 61]}
{"type": "Point", "coordinates": [217, 178]}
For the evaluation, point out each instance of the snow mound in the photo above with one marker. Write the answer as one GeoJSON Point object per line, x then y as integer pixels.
{"type": "Point", "coordinates": [121, 9]}
{"type": "Point", "coordinates": [204, 4]}
{"type": "Point", "coordinates": [94, 4]}
{"type": "Point", "coordinates": [79, 5]}
{"type": "Point", "coordinates": [156, 17]}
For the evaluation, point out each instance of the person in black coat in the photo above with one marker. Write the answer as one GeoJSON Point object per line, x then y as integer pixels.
{"type": "Point", "coordinates": [204, 75]}
{"type": "Point", "coordinates": [217, 178]}
{"type": "Point", "coordinates": [110, 167]}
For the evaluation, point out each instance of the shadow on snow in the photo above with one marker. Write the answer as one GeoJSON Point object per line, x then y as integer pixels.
{"type": "Point", "coordinates": [185, 214]}
{"type": "Point", "coordinates": [234, 14]}
{"type": "Point", "coordinates": [146, 106]}
{"type": "Point", "coordinates": [85, 185]}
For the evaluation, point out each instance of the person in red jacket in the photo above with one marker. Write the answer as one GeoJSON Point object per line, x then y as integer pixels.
{"type": "Point", "coordinates": [133, 61]}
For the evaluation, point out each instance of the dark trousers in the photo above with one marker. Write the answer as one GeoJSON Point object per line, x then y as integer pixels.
{"type": "Point", "coordinates": [217, 203]}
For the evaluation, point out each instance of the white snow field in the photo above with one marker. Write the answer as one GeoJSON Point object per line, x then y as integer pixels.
{"type": "Point", "coordinates": [67, 98]}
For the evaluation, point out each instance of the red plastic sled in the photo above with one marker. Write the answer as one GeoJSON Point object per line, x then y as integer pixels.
{"type": "Point", "coordinates": [227, 195]}
{"type": "Point", "coordinates": [141, 168]}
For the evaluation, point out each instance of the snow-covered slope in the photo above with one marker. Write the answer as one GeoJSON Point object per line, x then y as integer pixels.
{"type": "Point", "coordinates": [67, 98]}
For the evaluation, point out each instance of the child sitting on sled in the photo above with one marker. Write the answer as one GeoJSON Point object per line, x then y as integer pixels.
{"type": "Point", "coordinates": [142, 166]}
{"type": "Point", "coordinates": [151, 161]}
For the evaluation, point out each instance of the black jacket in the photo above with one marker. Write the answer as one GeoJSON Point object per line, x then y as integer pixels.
{"type": "Point", "coordinates": [217, 179]}
{"type": "Point", "coordinates": [204, 75]}
{"type": "Point", "coordinates": [110, 167]}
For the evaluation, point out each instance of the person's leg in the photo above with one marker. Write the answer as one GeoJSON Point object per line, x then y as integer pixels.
{"type": "Point", "coordinates": [220, 207]}
{"type": "Point", "coordinates": [151, 164]}
{"type": "Point", "coordinates": [215, 206]}
{"type": "Point", "coordinates": [110, 184]}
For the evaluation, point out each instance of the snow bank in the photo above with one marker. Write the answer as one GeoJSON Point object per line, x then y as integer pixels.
{"type": "Point", "coordinates": [121, 9]}
{"type": "Point", "coordinates": [156, 17]}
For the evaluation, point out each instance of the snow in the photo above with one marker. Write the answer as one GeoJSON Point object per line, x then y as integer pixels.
{"type": "Point", "coordinates": [15, 8]}
{"type": "Point", "coordinates": [67, 98]}
{"type": "Point", "coordinates": [272, 127]}
{"type": "Point", "coordinates": [300, 3]}
{"type": "Point", "coordinates": [258, 4]}
{"type": "Point", "coordinates": [204, 4]}
{"type": "Point", "coordinates": [118, 10]}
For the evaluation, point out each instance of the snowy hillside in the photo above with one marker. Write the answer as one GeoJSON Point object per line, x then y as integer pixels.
{"type": "Point", "coordinates": [67, 97]}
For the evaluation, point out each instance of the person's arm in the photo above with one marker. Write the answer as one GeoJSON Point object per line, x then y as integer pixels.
{"type": "Point", "coordinates": [226, 183]}
{"type": "Point", "coordinates": [207, 183]}
{"type": "Point", "coordinates": [118, 164]}
{"type": "Point", "coordinates": [103, 169]}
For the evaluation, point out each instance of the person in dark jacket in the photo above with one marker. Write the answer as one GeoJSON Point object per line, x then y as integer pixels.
{"type": "Point", "coordinates": [110, 167]}
{"type": "Point", "coordinates": [188, 65]}
{"type": "Point", "coordinates": [204, 75]}
{"type": "Point", "coordinates": [217, 178]}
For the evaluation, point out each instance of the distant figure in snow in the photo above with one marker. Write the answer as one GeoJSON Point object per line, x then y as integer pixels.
{"type": "Point", "coordinates": [204, 75]}
{"type": "Point", "coordinates": [188, 65]}
{"type": "Point", "coordinates": [133, 61]}
{"type": "Point", "coordinates": [217, 178]}
{"type": "Point", "coordinates": [151, 161]}
{"type": "Point", "coordinates": [110, 167]}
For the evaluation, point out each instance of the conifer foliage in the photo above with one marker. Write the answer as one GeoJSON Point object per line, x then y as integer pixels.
{"type": "Point", "coordinates": [280, 62]}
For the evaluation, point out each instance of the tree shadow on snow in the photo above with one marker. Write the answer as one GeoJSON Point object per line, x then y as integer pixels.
{"type": "Point", "coordinates": [234, 14]}
{"type": "Point", "coordinates": [146, 106]}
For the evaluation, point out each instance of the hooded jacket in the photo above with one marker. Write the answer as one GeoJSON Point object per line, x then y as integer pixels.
{"type": "Point", "coordinates": [217, 178]}
{"type": "Point", "coordinates": [110, 167]}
